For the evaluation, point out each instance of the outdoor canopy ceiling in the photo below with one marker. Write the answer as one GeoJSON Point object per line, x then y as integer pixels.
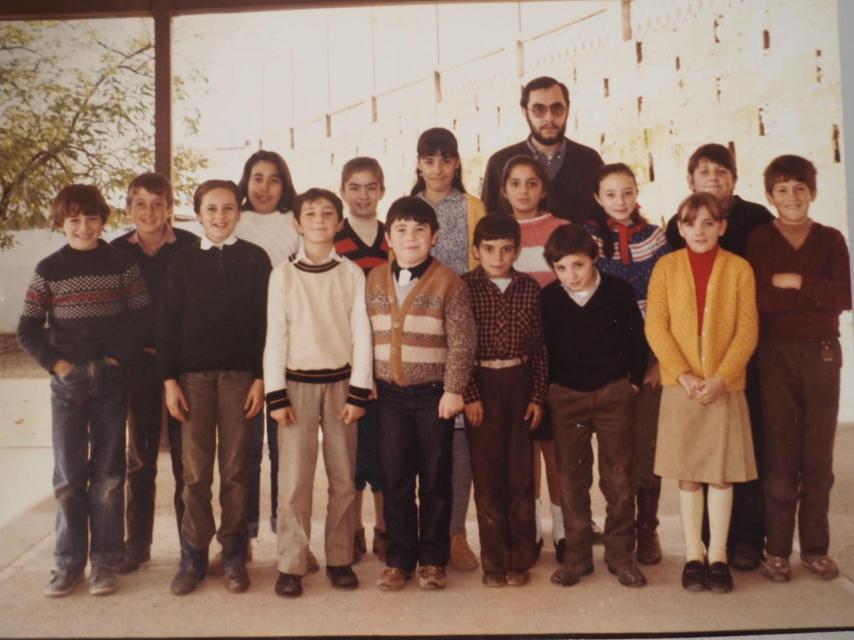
{"type": "Point", "coordinates": [70, 9]}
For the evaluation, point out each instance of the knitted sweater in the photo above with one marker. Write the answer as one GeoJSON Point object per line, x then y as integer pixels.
{"type": "Point", "coordinates": [317, 328]}
{"type": "Point", "coordinates": [273, 232]}
{"type": "Point", "coordinates": [591, 345]}
{"type": "Point", "coordinates": [535, 233]}
{"type": "Point", "coordinates": [810, 313]}
{"type": "Point", "coordinates": [730, 322]}
{"type": "Point", "coordinates": [95, 303]}
{"type": "Point", "coordinates": [349, 245]}
{"type": "Point", "coordinates": [212, 312]}
{"type": "Point", "coordinates": [153, 268]}
{"type": "Point", "coordinates": [428, 337]}
{"type": "Point", "coordinates": [637, 247]}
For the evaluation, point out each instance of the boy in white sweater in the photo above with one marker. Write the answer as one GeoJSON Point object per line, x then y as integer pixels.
{"type": "Point", "coordinates": [317, 370]}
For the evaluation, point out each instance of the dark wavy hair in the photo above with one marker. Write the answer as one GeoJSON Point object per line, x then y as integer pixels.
{"type": "Point", "coordinates": [438, 142]}
{"type": "Point", "coordinates": [286, 202]}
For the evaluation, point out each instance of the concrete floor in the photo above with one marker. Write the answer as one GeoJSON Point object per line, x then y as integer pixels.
{"type": "Point", "coordinates": [143, 605]}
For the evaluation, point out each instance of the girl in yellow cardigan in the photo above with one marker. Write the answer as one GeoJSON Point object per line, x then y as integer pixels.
{"type": "Point", "coordinates": [439, 182]}
{"type": "Point", "coordinates": [704, 427]}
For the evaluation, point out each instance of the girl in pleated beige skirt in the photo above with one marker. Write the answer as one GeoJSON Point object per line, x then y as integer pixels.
{"type": "Point", "coordinates": [702, 324]}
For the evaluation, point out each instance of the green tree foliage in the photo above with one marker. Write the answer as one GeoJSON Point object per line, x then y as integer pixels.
{"type": "Point", "coordinates": [77, 105]}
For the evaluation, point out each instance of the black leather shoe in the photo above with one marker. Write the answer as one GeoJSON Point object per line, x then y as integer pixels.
{"type": "Point", "coordinates": [745, 557]}
{"type": "Point", "coordinates": [342, 577]}
{"type": "Point", "coordinates": [560, 550]}
{"type": "Point", "coordinates": [289, 585]}
{"type": "Point", "coordinates": [236, 577]}
{"type": "Point", "coordinates": [720, 579]}
{"type": "Point", "coordinates": [694, 576]}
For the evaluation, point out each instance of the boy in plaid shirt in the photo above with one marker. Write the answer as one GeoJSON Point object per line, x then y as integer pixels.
{"type": "Point", "coordinates": [504, 401]}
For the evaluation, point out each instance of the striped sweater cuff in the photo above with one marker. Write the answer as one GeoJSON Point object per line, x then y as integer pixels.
{"type": "Point", "coordinates": [277, 400]}
{"type": "Point", "coordinates": [357, 396]}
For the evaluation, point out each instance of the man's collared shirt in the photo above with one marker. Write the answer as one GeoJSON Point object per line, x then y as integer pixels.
{"type": "Point", "coordinates": [551, 165]}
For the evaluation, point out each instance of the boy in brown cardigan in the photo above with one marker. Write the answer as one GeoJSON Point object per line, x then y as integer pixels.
{"type": "Point", "coordinates": [424, 344]}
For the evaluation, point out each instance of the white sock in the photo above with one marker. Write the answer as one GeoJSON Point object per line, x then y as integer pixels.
{"type": "Point", "coordinates": [720, 510]}
{"type": "Point", "coordinates": [691, 510]}
{"type": "Point", "coordinates": [557, 523]}
{"type": "Point", "coordinates": [538, 513]}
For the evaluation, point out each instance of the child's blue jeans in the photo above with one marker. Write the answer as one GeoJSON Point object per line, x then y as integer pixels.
{"type": "Point", "coordinates": [88, 410]}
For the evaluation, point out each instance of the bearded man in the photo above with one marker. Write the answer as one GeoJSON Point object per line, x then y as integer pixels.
{"type": "Point", "coordinates": [569, 165]}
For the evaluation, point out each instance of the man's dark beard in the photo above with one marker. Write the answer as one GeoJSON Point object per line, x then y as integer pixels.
{"type": "Point", "coordinates": [536, 135]}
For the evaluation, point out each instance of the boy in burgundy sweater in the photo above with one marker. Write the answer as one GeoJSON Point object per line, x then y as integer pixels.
{"type": "Point", "coordinates": [802, 285]}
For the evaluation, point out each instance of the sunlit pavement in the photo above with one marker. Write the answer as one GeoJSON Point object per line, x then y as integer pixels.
{"type": "Point", "coordinates": [143, 605]}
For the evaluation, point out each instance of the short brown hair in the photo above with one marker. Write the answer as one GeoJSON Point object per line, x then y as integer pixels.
{"type": "Point", "coordinates": [314, 194]}
{"type": "Point", "coordinates": [78, 199]}
{"type": "Point", "coordinates": [362, 163]}
{"type": "Point", "coordinates": [567, 240]}
{"type": "Point", "coordinates": [716, 153]}
{"type": "Point", "coordinates": [790, 167]}
{"type": "Point", "coordinates": [153, 183]}
{"type": "Point", "coordinates": [209, 185]}
{"type": "Point", "coordinates": [690, 207]}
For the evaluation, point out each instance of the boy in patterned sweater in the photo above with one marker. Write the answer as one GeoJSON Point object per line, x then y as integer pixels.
{"type": "Point", "coordinates": [424, 343]}
{"type": "Point", "coordinates": [95, 303]}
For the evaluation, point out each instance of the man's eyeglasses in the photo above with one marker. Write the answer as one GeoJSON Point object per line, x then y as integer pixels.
{"type": "Point", "coordinates": [557, 109]}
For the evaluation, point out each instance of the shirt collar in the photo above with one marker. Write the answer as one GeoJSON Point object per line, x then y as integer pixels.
{"type": "Point", "coordinates": [415, 272]}
{"type": "Point", "coordinates": [455, 196]}
{"type": "Point", "coordinates": [168, 238]}
{"type": "Point", "coordinates": [583, 297]}
{"type": "Point", "coordinates": [207, 243]}
{"type": "Point", "coordinates": [542, 157]}
{"type": "Point", "coordinates": [301, 257]}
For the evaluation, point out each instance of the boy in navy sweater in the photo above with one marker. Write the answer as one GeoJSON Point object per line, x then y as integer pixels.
{"type": "Point", "coordinates": [597, 360]}
{"type": "Point", "coordinates": [95, 303]}
{"type": "Point", "coordinates": [211, 323]}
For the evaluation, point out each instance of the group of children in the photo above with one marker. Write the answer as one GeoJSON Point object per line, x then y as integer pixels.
{"type": "Point", "coordinates": [465, 346]}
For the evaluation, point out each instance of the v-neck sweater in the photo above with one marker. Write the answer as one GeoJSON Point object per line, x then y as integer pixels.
{"type": "Point", "coordinates": [810, 313]}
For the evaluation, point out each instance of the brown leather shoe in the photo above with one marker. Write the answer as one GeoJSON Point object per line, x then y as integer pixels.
{"type": "Point", "coordinates": [393, 579]}
{"type": "Point", "coordinates": [462, 557]}
{"type": "Point", "coordinates": [431, 577]}
{"type": "Point", "coordinates": [518, 578]}
{"type": "Point", "coordinates": [629, 575]}
{"type": "Point", "coordinates": [236, 576]}
{"type": "Point", "coordinates": [567, 575]}
{"type": "Point", "coordinates": [490, 579]}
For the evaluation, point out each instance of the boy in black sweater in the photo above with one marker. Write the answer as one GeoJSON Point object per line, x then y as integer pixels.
{"type": "Point", "coordinates": [597, 358]}
{"type": "Point", "coordinates": [211, 324]}
{"type": "Point", "coordinates": [95, 303]}
{"type": "Point", "coordinates": [152, 243]}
